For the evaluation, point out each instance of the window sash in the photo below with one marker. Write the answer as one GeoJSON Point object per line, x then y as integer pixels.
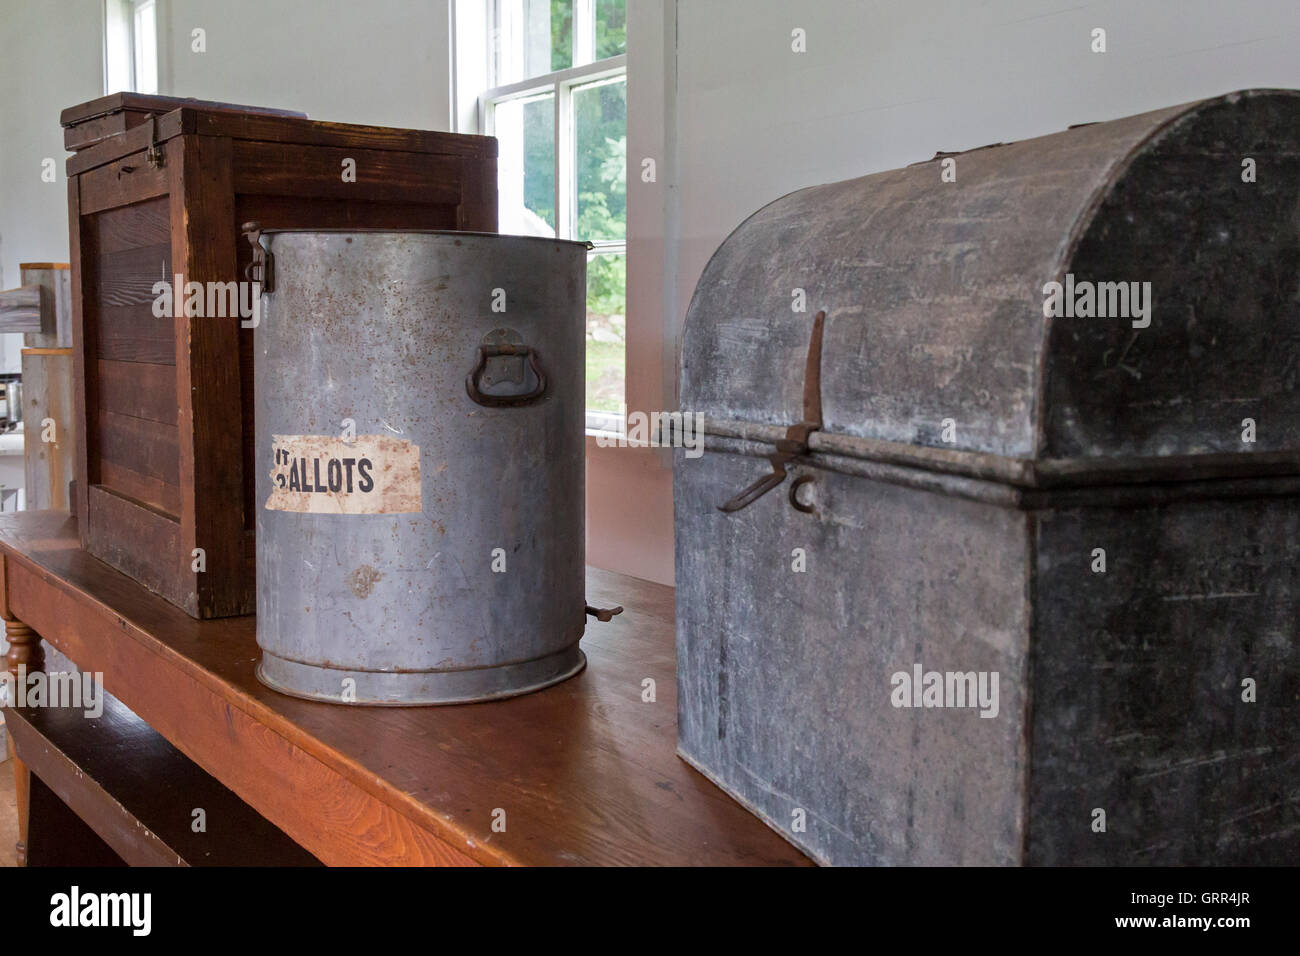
{"type": "Point", "coordinates": [505, 20]}
{"type": "Point", "coordinates": [561, 83]}
{"type": "Point", "coordinates": [144, 60]}
{"type": "Point", "coordinates": [609, 424]}
{"type": "Point", "coordinates": [610, 66]}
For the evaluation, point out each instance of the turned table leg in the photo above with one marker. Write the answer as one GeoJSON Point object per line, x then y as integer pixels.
{"type": "Point", "coordinates": [25, 650]}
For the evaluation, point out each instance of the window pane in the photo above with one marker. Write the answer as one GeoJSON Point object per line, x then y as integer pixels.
{"type": "Point", "coordinates": [533, 37]}
{"type": "Point", "coordinates": [561, 31]}
{"type": "Point", "coordinates": [525, 130]}
{"type": "Point", "coordinates": [600, 159]}
{"type": "Point", "coordinates": [606, 330]}
{"type": "Point", "coordinates": [611, 28]}
{"type": "Point", "coordinates": [117, 49]}
{"type": "Point", "coordinates": [146, 48]}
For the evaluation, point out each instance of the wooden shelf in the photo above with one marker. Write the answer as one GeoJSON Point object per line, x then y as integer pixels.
{"type": "Point", "coordinates": [138, 793]}
{"type": "Point", "coordinates": [585, 771]}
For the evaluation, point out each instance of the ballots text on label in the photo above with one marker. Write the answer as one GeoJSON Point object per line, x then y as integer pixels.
{"type": "Point", "coordinates": [324, 474]}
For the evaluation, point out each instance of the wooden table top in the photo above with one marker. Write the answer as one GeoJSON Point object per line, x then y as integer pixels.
{"type": "Point", "coordinates": [585, 772]}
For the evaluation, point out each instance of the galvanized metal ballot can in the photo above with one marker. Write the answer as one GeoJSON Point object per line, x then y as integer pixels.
{"type": "Point", "coordinates": [419, 427]}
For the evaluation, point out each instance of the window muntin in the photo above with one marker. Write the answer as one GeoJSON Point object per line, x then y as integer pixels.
{"type": "Point", "coordinates": [566, 174]}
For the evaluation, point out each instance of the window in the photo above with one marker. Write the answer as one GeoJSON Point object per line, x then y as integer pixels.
{"type": "Point", "coordinates": [130, 46]}
{"type": "Point", "coordinates": [558, 106]}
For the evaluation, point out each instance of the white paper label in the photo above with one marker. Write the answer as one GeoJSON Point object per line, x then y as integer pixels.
{"type": "Point", "coordinates": [323, 474]}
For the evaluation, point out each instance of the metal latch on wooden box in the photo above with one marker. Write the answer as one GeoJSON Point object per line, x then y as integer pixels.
{"type": "Point", "coordinates": [262, 269]}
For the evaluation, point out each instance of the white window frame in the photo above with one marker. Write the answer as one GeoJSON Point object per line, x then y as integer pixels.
{"type": "Point", "coordinates": [124, 45]}
{"type": "Point", "coordinates": [561, 84]}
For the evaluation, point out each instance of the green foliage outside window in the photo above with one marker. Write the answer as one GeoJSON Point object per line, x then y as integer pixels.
{"type": "Point", "coordinates": [600, 174]}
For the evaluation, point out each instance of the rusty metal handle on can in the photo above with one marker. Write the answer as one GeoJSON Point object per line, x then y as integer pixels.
{"type": "Point", "coordinates": [497, 350]}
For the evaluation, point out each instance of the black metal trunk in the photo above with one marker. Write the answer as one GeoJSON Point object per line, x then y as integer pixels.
{"type": "Point", "coordinates": [1101, 512]}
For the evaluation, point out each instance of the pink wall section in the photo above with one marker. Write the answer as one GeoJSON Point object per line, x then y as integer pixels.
{"type": "Point", "coordinates": [630, 511]}
{"type": "Point", "coordinates": [630, 490]}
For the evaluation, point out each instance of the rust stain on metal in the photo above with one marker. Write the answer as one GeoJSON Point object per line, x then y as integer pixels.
{"type": "Point", "coordinates": [362, 581]}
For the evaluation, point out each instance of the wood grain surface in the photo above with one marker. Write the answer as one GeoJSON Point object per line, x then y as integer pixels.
{"type": "Point", "coordinates": [139, 793]}
{"type": "Point", "coordinates": [585, 772]}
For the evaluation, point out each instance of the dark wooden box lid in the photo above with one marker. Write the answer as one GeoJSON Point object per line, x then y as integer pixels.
{"type": "Point", "coordinates": [106, 129]}
{"type": "Point", "coordinates": [96, 120]}
{"type": "Point", "coordinates": [156, 105]}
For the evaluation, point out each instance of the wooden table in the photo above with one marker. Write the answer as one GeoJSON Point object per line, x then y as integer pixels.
{"type": "Point", "coordinates": [581, 773]}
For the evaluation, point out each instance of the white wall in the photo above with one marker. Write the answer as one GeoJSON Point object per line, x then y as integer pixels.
{"type": "Point", "coordinates": [890, 82]}
{"type": "Point", "coordinates": [382, 62]}
{"type": "Point", "coordinates": [884, 84]}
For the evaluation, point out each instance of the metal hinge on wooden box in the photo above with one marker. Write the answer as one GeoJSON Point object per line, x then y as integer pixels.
{"type": "Point", "coordinates": [157, 191]}
{"type": "Point", "coordinates": [1031, 593]}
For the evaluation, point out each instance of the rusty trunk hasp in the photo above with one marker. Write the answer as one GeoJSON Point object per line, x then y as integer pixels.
{"type": "Point", "coordinates": [795, 443]}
